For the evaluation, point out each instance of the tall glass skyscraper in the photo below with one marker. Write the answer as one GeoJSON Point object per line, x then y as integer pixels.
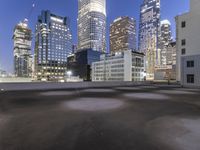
{"type": "Point", "coordinates": [148, 34]}
{"type": "Point", "coordinates": [92, 25]}
{"type": "Point", "coordinates": [22, 50]}
{"type": "Point", "coordinates": [53, 44]}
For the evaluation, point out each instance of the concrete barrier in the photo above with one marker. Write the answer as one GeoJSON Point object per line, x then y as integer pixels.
{"type": "Point", "coordinates": [53, 86]}
{"type": "Point", "coordinates": [15, 80]}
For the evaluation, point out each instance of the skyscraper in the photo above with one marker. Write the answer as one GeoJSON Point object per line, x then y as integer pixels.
{"type": "Point", "coordinates": [53, 44]}
{"type": "Point", "coordinates": [165, 37]}
{"type": "Point", "coordinates": [148, 34]}
{"type": "Point", "coordinates": [92, 25]}
{"type": "Point", "coordinates": [22, 49]}
{"type": "Point", "coordinates": [123, 34]}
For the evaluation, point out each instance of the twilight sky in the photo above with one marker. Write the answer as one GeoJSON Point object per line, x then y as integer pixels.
{"type": "Point", "coordinates": [13, 11]}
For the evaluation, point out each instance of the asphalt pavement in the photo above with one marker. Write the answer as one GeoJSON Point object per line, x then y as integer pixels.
{"type": "Point", "coordinates": [120, 118]}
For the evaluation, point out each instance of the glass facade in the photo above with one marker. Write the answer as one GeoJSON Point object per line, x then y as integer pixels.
{"type": "Point", "coordinates": [123, 35]}
{"type": "Point", "coordinates": [22, 50]}
{"type": "Point", "coordinates": [92, 25]}
{"type": "Point", "coordinates": [148, 34]}
{"type": "Point", "coordinates": [53, 44]}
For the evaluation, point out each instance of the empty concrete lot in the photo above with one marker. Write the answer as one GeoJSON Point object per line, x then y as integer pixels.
{"type": "Point", "coordinates": [122, 118]}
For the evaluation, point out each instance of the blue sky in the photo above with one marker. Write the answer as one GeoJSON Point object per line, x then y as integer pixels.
{"type": "Point", "coordinates": [13, 11]}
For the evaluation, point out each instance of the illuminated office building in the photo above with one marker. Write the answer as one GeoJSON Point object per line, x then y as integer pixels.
{"type": "Point", "coordinates": [92, 25]}
{"type": "Point", "coordinates": [123, 35]}
{"type": "Point", "coordinates": [53, 44]}
{"type": "Point", "coordinates": [148, 34]}
{"type": "Point", "coordinates": [165, 37]}
{"type": "Point", "coordinates": [22, 49]}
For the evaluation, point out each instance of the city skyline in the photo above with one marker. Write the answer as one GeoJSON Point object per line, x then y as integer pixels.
{"type": "Point", "coordinates": [69, 8]}
{"type": "Point", "coordinates": [99, 74]}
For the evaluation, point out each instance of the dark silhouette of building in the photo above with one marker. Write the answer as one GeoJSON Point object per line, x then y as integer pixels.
{"type": "Point", "coordinates": [80, 63]}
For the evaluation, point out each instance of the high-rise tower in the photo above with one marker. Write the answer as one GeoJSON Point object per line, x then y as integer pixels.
{"type": "Point", "coordinates": [92, 25]}
{"type": "Point", "coordinates": [22, 49]}
{"type": "Point", "coordinates": [165, 37]}
{"type": "Point", "coordinates": [53, 44]}
{"type": "Point", "coordinates": [123, 35]}
{"type": "Point", "coordinates": [148, 34]}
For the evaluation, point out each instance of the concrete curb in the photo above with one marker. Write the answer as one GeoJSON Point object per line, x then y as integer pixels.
{"type": "Point", "coordinates": [57, 86]}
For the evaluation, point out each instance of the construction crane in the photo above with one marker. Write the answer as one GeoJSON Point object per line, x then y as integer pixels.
{"type": "Point", "coordinates": [30, 12]}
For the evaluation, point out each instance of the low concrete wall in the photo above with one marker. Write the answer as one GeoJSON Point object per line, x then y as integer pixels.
{"type": "Point", "coordinates": [15, 80]}
{"type": "Point", "coordinates": [53, 86]}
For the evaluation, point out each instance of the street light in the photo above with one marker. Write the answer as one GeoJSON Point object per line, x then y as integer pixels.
{"type": "Point", "coordinates": [69, 73]}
